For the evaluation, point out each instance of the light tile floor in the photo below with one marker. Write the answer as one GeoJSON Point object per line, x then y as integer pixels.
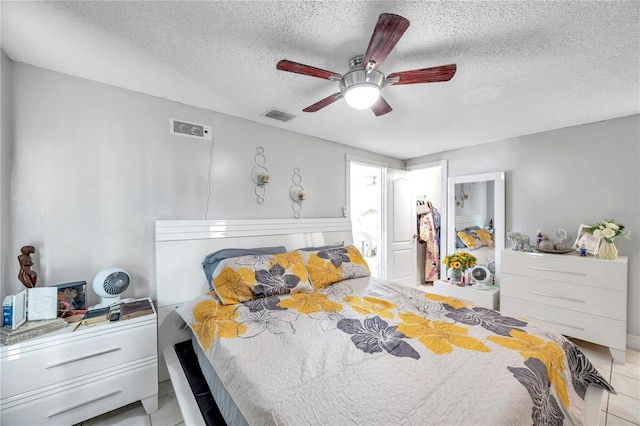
{"type": "Point", "coordinates": [622, 409]}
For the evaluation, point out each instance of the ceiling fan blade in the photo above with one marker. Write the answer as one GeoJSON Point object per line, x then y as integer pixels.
{"type": "Point", "coordinates": [323, 103]}
{"type": "Point", "coordinates": [388, 31]}
{"type": "Point", "coordinates": [290, 66]}
{"type": "Point", "coordinates": [381, 107]}
{"type": "Point", "coordinates": [425, 75]}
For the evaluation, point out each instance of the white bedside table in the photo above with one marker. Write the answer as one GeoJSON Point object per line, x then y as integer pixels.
{"type": "Point", "coordinates": [489, 298]}
{"type": "Point", "coordinates": [67, 376]}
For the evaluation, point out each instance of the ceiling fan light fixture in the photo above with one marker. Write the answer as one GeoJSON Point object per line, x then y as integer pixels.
{"type": "Point", "coordinates": [362, 96]}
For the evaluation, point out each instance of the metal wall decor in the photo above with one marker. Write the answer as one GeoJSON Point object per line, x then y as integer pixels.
{"type": "Point", "coordinates": [297, 192]}
{"type": "Point", "coordinates": [463, 196]}
{"type": "Point", "coordinates": [260, 175]}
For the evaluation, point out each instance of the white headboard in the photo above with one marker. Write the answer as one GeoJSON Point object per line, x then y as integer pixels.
{"type": "Point", "coordinates": [466, 221]}
{"type": "Point", "coordinates": [181, 245]}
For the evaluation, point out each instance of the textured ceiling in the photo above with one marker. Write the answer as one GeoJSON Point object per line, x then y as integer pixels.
{"type": "Point", "coordinates": [523, 67]}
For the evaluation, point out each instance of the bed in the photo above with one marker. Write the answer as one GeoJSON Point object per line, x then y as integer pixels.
{"type": "Point", "coordinates": [358, 350]}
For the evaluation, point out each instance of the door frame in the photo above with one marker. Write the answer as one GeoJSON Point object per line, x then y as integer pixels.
{"type": "Point", "coordinates": [349, 158]}
{"type": "Point", "coordinates": [365, 162]}
{"type": "Point", "coordinates": [444, 177]}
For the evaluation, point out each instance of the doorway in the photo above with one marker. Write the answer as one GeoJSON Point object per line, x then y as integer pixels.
{"type": "Point", "coordinates": [382, 207]}
{"type": "Point", "coordinates": [430, 187]}
{"type": "Point", "coordinates": [366, 211]}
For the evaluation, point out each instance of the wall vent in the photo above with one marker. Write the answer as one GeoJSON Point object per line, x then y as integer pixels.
{"type": "Point", "coordinates": [192, 130]}
{"type": "Point", "coordinates": [279, 115]}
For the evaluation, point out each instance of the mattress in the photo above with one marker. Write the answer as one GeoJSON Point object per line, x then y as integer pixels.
{"type": "Point", "coordinates": [372, 352]}
{"type": "Point", "coordinates": [226, 405]}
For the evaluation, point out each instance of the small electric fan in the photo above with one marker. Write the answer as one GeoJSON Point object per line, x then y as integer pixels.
{"type": "Point", "coordinates": [109, 284]}
{"type": "Point", "coordinates": [481, 276]}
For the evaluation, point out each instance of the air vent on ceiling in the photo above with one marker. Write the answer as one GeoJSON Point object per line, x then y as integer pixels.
{"type": "Point", "coordinates": [279, 115]}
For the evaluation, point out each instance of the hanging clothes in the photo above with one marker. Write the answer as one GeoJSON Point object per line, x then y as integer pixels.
{"type": "Point", "coordinates": [429, 231]}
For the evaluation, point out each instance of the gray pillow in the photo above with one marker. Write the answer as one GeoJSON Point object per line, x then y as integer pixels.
{"type": "Point", "coordinates": [211, 261]}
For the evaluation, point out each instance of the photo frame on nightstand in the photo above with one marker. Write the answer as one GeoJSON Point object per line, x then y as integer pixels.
{"type": "Point", "coordinates": [587, 239]}
{"type": "Point", "coordinates": [72, 297]}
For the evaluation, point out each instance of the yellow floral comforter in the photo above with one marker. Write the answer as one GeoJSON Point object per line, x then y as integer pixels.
{"type": "Point", "coordinates": [365, 351]}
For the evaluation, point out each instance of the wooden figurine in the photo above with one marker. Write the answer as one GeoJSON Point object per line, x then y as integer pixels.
{"type": "Point", "coordinates": [26, 276]}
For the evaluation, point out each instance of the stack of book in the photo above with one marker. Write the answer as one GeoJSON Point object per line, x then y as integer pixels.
{"type": "Point", "coordinates": [96, 316]}
{"type": "Point", "coordinates": [136, 308]}
{"type": "Point", "coordinates": [29, 330]}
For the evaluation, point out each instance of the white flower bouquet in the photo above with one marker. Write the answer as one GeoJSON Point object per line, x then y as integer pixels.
{"type": "Point", "coordinates": [608, 230]}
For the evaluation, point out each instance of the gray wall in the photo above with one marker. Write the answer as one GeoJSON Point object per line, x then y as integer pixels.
{"type": "Point", "coordinates": [6, 135]}
{"type": "Point", "coordinates": [562, 178]}
{"type": "Point", "coordinates": [95, 166]}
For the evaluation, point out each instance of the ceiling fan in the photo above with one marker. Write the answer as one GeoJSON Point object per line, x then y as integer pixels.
{"type": "Point", "coordinates": [362, 84]}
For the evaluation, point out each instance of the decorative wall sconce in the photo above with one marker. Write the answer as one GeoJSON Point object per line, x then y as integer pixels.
{"type": "Point", "coordinates": [297, 192]}
{"type": "Point", "coordinates": [463, 196]}
{"type": "Point", "coordinates": [260, 175]}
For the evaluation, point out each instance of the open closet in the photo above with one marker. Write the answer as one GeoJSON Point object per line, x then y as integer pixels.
{"type": "Point", "coordinates": [429, 222]}
{"type": "Point", "coordinates": [429, 199]}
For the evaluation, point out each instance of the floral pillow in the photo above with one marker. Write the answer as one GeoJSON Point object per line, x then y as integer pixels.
{"type": "Point", "coordinates": [486, 237]}
{"type": "Point", "coordinates": [331, 265]}
{"type": "Point", "coordinates": [243, 278]}
{"type": "Point", "coordinates": [470, 239]}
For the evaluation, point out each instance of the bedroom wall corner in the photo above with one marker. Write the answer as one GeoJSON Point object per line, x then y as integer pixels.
{"type": "Point", "coordinates": [95, 166]}
{"type": "Point", "coordinates": [6, 140]}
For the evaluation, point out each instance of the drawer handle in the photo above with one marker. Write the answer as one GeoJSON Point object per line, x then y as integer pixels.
{"type": "Point", "coordinates": [557, 297]}
{"type": "Point", "coordinates": [69, 361]}
{"type": "Point", "coordinates": [80, 404]}
{"type": "Point", "coordinates": [555, 322]}
{"type": "Point", "coordinates": [582, 274]}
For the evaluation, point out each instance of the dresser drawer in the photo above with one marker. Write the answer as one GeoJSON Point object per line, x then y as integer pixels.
{"type": "Point", "coordinates": [603, 331]}
{"type": "Point", "coordinates": [69, 358]}
{"type": "Point", "coordinates": [74, 403]}
{"type": "Point", "coordinates": [567, 268]}
{"type": "Point", "coordinates": [566, 296]}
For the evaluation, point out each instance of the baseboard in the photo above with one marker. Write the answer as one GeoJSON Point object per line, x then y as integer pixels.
{"type": "Point", "coordinates": [633, 342]}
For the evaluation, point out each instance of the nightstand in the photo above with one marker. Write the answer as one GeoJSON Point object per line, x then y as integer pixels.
{"type": "Point", "coordinates": [488, 298]}
{"type": "Point", "coordinates": [68, 376]}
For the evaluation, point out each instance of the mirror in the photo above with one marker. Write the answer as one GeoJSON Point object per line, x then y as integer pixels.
{"type": "Point", "coordinates": [477, 202]}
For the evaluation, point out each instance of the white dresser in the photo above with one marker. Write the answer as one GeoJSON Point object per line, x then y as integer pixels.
{"type": "Point", "coordinates": [581, 297]}
{"type": "Point", "coordinates": [68, 376]}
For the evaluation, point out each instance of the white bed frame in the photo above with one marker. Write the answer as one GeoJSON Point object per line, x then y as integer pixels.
{"type": "Point", "coordinates": [181, 245]}
{"type": "Point", "coordinates": [466, 221]}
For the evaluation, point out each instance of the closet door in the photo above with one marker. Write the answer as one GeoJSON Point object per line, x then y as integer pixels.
{"type": "Point", "coordinates": [401, 260]}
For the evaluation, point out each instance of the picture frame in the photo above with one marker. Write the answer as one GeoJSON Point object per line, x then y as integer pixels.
{"type": "Point", "coordinates": [590, 242]}
{"type": "Point", "coordinates": [72, 298]}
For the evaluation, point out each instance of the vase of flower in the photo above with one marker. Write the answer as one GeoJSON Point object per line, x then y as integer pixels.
{"type": "Point", "coordinates": [458, 263]}
{"type": "Point", "coordinates": [456, 275]}
{"type": "Point", "coordinates": [607, 231]}
{"type": "Point", "coordinates": [607, 250]}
